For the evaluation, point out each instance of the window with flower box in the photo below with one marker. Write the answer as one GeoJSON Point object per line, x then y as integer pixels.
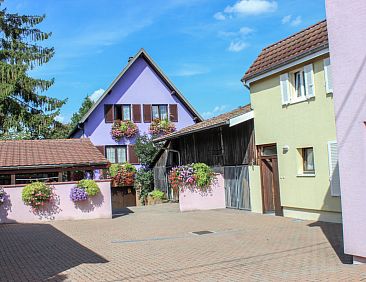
{"type": "Point", "coordinates": [159, 111]}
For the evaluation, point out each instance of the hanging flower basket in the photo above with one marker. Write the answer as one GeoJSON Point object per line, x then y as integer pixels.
{"type": "Point", "coordinates": [122, 129]}
{"type": "Point", "coordinates": [36, 194]}
{"type": "Point", "coordinates": [160, 127]}
{"type": "Point", "coordinates": [194, 176]}
{"type": "Point", "coordinates": [122, 174]}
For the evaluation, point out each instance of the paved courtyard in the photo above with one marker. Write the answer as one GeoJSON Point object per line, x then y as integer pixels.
{"type": "Point", "coordinates": [154, 243]}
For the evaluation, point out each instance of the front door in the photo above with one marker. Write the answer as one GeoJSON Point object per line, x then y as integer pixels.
{"type": "Point", "coordinates": [269, 178]}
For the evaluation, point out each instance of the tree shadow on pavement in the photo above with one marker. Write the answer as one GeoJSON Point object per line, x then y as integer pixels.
{"type": "Point", "coordinates": [36, 252]}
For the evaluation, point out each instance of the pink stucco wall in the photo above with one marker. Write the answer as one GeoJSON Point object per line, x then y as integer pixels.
{"type": "Point", "coordinates": [346, 30]}
{"type": "Point", "coordinates": [99, 206]}
{"type": "Point", "coordinates": [214, 198]}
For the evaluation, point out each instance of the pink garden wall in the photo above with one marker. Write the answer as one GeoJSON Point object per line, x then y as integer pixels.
{"type": "Point", "coordinates": [346, 22]}
{"type": "Point", "coordinates": [213, 198]}
{"type": "Point", "coordinates": [14, 210]}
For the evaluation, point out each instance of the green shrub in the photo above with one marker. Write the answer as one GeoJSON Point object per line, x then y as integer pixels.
{"type": "Point", "coordinates": [90, 187]}
{"type": "Point", "coordinates": [36, 194]}
{"type": "Point", "coordinates": [204, 175]}
{"type": "Point", "coordinates": [157, 194]}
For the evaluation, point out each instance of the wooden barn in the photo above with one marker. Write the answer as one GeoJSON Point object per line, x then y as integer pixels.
{"type": "Point", "coordinates": [225, 142]}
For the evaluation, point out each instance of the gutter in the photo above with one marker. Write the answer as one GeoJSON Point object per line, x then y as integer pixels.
{"type": "Point", "coordinates": [3, 168]}
{"type": "Point", "coordinates": [324, 47]}
{"type": "Point", "coordinates": [191, 132]}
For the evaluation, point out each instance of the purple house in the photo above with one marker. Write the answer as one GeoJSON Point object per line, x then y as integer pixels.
{"type": "Point", "coordinates": [140, 93]}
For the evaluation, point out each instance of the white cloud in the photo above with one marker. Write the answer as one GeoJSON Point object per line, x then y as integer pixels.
{"type": "Point", "coordinates": [286, 19]}
{"type": "Point", "coordinates": [216, 111]}
{"type": "Point", "coordinates": [190, 70]}
{"type": "Point", "coordinates": [219, 16]}
{"type": "Point", "coordinates": [96, 94]}
{"type": "Point", "coordinates": [296, 21]}
{"type": "Point", "coordinates": [252, 7]}
{"type": "Point", "coordinates": [237, 46]}
{"type": "Point", "coordinates": [291, 21]}
{"type": "Point", "coordinates": [246, 30]}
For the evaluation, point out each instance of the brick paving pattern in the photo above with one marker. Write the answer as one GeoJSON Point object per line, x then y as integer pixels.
{"type": "Point", "coordinates": [155, 243]}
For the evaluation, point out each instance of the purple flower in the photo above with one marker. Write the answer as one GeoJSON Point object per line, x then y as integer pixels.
{"type": "Point", "coordinates": [78, 194]}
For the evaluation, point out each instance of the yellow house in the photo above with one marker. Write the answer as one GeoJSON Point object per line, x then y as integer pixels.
{"type": "Point", "coordinates": [291, 95]}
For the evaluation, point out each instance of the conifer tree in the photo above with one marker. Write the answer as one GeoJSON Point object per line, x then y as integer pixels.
{"type": "Point", "coordinates": [24, 111]}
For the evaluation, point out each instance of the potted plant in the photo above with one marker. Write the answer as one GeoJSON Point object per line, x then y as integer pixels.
{"type": "Point", "coordinates": [155, 197]}
{"type": "Point", "coordinates": [36, 194]}
{"type": "Point", "coordinates": [122, 129]}
{"type": "Point", "coordinates": [160, 127]}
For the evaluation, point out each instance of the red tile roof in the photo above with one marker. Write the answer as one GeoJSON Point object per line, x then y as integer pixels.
{"type": "Point", "coordinates": [307, 41]}
{"type": "Point", "coordinates": [206, 124]}
{"type": "Point", "coordinates": [53, 152]}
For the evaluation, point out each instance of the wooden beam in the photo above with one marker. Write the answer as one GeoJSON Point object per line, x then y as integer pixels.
{"type": "Point", "coordinates": [12, 179]}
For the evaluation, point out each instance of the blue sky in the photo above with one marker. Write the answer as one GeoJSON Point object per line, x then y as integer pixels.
{"type": "Point", "coordinates": [204, 46]}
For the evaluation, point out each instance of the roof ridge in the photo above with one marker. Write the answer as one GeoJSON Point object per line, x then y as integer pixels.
{"type": "Point", "coordinates": [295, 34]}
{"type": "Point", "coordinates": [43, 140]}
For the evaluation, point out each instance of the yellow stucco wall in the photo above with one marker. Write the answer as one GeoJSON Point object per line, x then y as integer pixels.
{"type": "Point", "coordinates": [306, 124]}
{"type": "Point", "coordinates": [255, 189]}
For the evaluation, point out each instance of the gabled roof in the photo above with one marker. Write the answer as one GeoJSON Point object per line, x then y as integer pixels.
{"type": "Point", "coordinates": [217, 121]}
{"type": "Point", "coordinates": [25, 154]}
{"type": "Point", "coordinates": [296, 46]}
{"type": "Point", "coordinates": [142, 53]}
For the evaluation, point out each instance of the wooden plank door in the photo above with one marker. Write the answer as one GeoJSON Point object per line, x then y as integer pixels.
{"type": "Point", "coordinates": [270, 181]}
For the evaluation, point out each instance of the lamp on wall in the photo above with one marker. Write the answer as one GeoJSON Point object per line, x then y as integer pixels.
{"type": "Point", "coordinates": [285, 148]}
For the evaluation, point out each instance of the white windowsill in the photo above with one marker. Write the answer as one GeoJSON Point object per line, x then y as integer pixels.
{"type": "Point", "coordinates": [306, 175]}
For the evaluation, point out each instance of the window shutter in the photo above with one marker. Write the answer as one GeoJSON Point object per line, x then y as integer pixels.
{"type": "Point", "coordinates": [136, 113]}
{"type": "Point", "coordinates": [335, 187]}
{"type": "Point", "coordinates": [173, 111]}
{"type": "Point", "coordinates": [328, 76]}
{"type": "Point", "coordinates": [309, 80]}
{"type": "Point", "coordinates": [285, 89]}
{"type": "Point", "coordinates": [147, 113]}
{"type": "Point", "coordinates": [108, 113]}
{"type": "Point", "coordinates": [101, 149]}
{"type": "Point", "coordinates": [132, 158]}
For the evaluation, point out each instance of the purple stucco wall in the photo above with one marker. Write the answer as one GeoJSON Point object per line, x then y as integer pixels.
{"type": "Point", "coordinates": [347, 30]}
{"type": "Point", "coordinates": [139, 85]}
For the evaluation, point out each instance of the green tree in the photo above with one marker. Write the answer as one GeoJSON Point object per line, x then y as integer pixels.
{"type": "Point", "coordinates": [23, 110]}
{"type": "Point", "coordinates": [85, 107]}
{"type": "Point", "coordinates": [146, 149]}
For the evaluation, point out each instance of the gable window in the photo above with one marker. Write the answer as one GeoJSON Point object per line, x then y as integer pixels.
{"type": "Point", "coordinates": [308, 160]}
{"type": "Point", "coordinates": [159, 111]}
{"type": "Point", "coordinates": [122, 112]}
{"type": "Point", "coordinates": [116, 154]}
{"type": "Point", "coordinates": [298, 85]}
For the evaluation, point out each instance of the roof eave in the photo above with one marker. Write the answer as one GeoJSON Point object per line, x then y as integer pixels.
{"type": "Point", "coordinates": [174, 136]}
{"type": "Point", "coordinates": [245, 79]}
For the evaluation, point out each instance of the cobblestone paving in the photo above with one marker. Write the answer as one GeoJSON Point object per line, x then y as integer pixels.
{"type": "Point", "coordinates": [154, 243]}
